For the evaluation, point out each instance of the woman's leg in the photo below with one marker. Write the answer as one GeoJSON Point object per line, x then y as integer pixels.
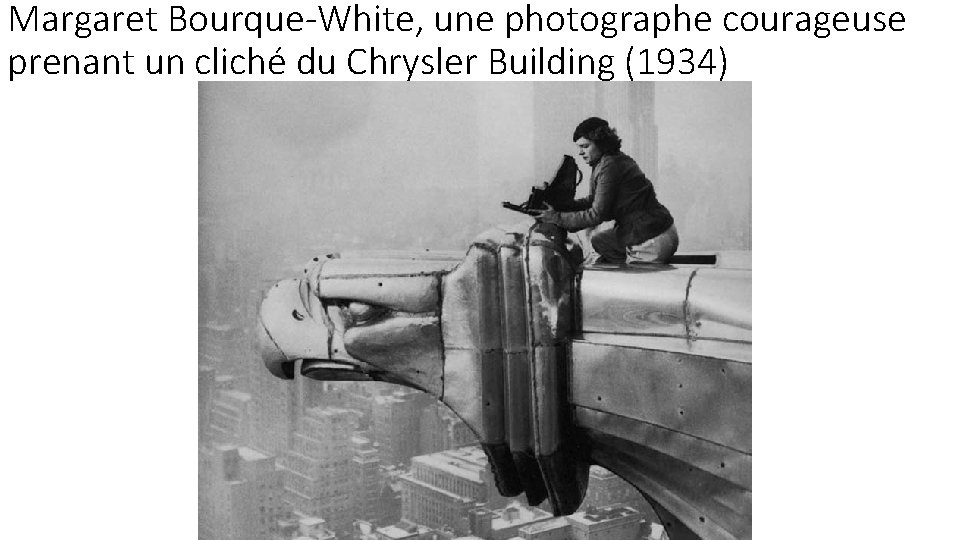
{"type": "Point", "coordinates": [658, 249]}
{"type": "Point", "coordinates": [608, 247]}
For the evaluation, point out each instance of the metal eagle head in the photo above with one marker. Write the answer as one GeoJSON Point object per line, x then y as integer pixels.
{"type": "Point", "coordinates": [469, 329]}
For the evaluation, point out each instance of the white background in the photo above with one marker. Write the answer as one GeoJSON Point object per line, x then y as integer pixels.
{"type": "Point", "coordinates": [854, 261]}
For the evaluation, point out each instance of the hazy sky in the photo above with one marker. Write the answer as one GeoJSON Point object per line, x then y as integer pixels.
{"type": "Point", "coordinates": [289, 168]}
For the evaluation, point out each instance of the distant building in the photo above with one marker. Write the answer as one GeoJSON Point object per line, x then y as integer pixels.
{"type": "Point", "coordinates": [441, 430]}
{"type": "Point", "coordinates": [615, 522]}
{"type": "Point", "coordinates": [226, 382]}
{"type": "Point", "coordinates": [612, 523]}
{"type": "Point", "coordinates": [505, 523]}
{"type": "Point", "coordinates": [229, 418]}
{"type": "Point", "coordinates": [606, 488]}
{"type": "Point", "coordinates": [441, 488]}
{"type": "Point", "coordinates": [403, 531]}
{"type": "Point", "coordinates": [391, 499]}
{"type": "Point", "coordinates": [356, 396]}
{"type": "Point", "coordinates": [240, 494]}
{"type": "Point", "coordinates": [396, 424]}
{"type": "Point", "coordinates": [205, 391]}
{"type": "Point", "coordinates": [367, 480]}
{"type": "Point", "coordinates": [314, 528]}
{"type": "Point", "coordinates": [630, 109]}
{"type": "Point", "coordinates": [550, 529]}
{"type": "Point", "coordinates": [317, 468]}
{"type": "Point", "coordinates": [276, 408]}
{"type": "Point", "coordinates": [219, 345]}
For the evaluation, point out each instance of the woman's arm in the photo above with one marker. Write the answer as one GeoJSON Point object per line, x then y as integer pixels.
{"type": "Point", "coordinates": [601, 203]}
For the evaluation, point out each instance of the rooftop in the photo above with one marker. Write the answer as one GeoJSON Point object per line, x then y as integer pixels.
{"type": "Point", "coordinates": [449, 494]}
{"type": "Point", "coordinates": [548, 525]}
{"type": "Point", "coordinates": [468, 462]}
{"type": "Point", "coordinates": [606, 513]}
{"type": "Point", "coordinates": [329, 412]}
{"type": "Point", "coordinates": [249, 454]}
{"type": "Point", "coordinates": [517, 515]}
{"type": "Point", "coordinates": [236, 395]}
{"type": "Point", "coordinates": [397, 532]}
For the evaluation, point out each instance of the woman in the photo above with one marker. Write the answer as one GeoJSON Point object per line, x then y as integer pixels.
{"type": "Point", "coordinates": [619, 191]}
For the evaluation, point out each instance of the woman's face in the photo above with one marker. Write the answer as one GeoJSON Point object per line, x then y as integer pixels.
{"type": "Point", "coordinates": [588, 151]}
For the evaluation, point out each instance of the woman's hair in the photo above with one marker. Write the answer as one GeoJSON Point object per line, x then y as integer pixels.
{"type": "Point", "coordinates": [600, 132]}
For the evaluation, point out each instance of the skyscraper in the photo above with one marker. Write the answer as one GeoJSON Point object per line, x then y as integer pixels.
{"type": "Point", "coordinates": [440, 489]}
{"type": "Point", "coordinates": [396, 424]}
{"type": "Point", "coordinates": [441, 430]}
{"type": "Point", "coordinates": [367, 480]}
{"type": "Point", "coordinates": [615, 522]}
{"type": "Point", "coordinates": [240, 494]}
{"type": "Point", "coordinates": [629, 107]}
{"type": "Point", "coordinates": [606, 488]}
{"type": "Point", "coordinates": [229, 419]}
{"type": "Point", "coordinates": [317, 467]}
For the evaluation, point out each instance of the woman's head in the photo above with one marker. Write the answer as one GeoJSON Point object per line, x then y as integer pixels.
{"type": "Point", "coordinates": [595, 138]}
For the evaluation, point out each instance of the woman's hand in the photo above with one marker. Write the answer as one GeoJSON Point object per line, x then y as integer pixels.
{"type": "Point", "coordinates": [547, 216]}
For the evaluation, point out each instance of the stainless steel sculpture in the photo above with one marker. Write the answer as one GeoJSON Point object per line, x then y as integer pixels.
{"type": "Point", "coordinates": [643, 370]}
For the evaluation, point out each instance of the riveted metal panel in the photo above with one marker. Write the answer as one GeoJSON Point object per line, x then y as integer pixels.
{"type": "Point", "coordinates": [551, 307]}
{"type": "Point", "coordinates": [407, 347]}
{"type": "Point", "coordinates": [516, 346]}
{"type": "Point", "coordinates": [549, 274]}
{"type": "Point", "coordinates": [461, 381]}
{"type": "Point", "coordinates": [516, 349]}
{"type": "Point", "coordinates": [703, 397]}
{"type": "Point", "coordinates": [709, 506]}
{"type": "Point", "coordinates": [417, 294]}
{"type": "Point", "coordinates": [471, 322]}
{"type": "Point", "coordinates": [405, 254]}
{"type": "Point", "coordinates": [471, 302]}
{"type": "Point", "coordinates": [379, 266]}
{"type": "Point", "coordinates": [719, 305]}
{"type": "Point", "coordinates": [650, 301]}
{"type": "Point", "coordinates": [722, 461]}
{"type": "Point", "coordinates": [737, 351]}
{"type": "Point", "coordinates": [547, 399]}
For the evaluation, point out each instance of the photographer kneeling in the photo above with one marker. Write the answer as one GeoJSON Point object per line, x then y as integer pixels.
{"type": "Point", "coordinates": [619, 191]}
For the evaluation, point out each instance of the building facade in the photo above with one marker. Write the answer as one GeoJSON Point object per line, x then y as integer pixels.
{"type": "Point", "coordinates": [229, 418]}
{"type": "Point", "coordinates": [441, 489]}
{"type": "Point", "coordinates": [367, 480]}
{"type": "Point", "coordinates": [505, 523]}
{"type": "Point", "coordinates": [615, 522]}
{"type": "Point", "coordinates": [317, 468]}
{"type": "Point", "coordinates": [396, 424]}
{"type": "Point", "coordinates": [441, 430]}
{"type": "Point", "coordinates": [606, 488]}
{"type": "Point", "coordinates": [240, 494]}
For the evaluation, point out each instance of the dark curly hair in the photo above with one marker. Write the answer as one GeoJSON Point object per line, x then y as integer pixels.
{"type": "Point", "coordinates": [599, 131]}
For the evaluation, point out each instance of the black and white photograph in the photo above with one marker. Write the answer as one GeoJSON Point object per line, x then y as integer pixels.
{"type": "Point", "coordinates": [431, 311]}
